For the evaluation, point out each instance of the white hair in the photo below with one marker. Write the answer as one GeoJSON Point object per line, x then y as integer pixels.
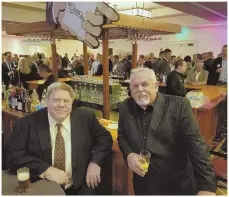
{"type": "Point", "coordinates": [60, 86]}
{"type": "Point", "coordinates": [150, 72]}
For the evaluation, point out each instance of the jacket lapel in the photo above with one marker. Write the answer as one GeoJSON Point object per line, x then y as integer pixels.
{"type": "Point", "coordinates": [42, 126]}
{"type": "Point", "coordinates": [158, 111]}
{"type": "Point", "coordinates": [134, 121]}
{"type": "Point", "coordinates": [75, 137]}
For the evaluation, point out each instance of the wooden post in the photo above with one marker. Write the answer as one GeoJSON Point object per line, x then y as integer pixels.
{"type": "Point", "coordinates": [134, 55]}
{"type": "Point", "coordinates": [54, 60]}
{"type": "Point", "coordinates": [106, 94]}
{"type": "Point", "coordinates": [85, 59]}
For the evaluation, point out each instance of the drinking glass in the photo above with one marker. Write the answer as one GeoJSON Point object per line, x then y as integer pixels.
{"type": "Point", "coordinates": [145, 163]}
{"type": "Point", "coordinates": [23, 177]}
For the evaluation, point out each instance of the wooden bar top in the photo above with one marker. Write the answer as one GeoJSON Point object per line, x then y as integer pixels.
{"type": "Point", "coordinates": [38, 82]}
{"type": "Point", "coordinates": [213, 94]}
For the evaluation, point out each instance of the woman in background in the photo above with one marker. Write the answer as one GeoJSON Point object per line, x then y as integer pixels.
{"type": "Point", "coordinates": [23, 72]}
{"type": "Point", "coordinates": [100, 67]}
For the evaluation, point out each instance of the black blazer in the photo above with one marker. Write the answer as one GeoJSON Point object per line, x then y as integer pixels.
{"type": "Point", "coordinates": [164, 66]}
{"type": "Point", "coordinates": [213, 76]}
{"type": "Point", "coordinates": [5, 77]}
{"type": "Point", "coordinates": [177, 149]}
{"type": "Point", "coordinates": [175, 84]}
{"type": "Point", "coordinates": [34, 72]}
{"type": "Point", "coordinates": [45, 85]}
{"type": "Point", "coordinates": [30, 144]}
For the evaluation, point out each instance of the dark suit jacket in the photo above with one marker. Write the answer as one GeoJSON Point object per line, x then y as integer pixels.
{"type": "Point", "coordinates": [175, 84]}
{"type": "Point", "coordinates": [164, 66]}
{"type": "Point", "coordinates": [30, 143]}
{"type": "Point", "coordinates": [127, 66]}
{"type": "Point", "coordinates": [208, 63]}
{"type": "Point", "coordinates": [34, 72]}
{"type": "Point", "coordinates": [45, 85]}
{"type": "Point", "coordinates": [213, 76]}
{"type": "Point", "coordinates": [177, 149]}
{"type": "Point", "coordinates": [5, 77]}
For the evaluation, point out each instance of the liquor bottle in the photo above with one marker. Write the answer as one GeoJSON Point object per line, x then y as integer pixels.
{"type": "Point", "coordinates": [27, 102]}
{"type": "Point", "coordinates": [16, 97]}
{"type": "Point", "coordinates": [34, 99]}
{"type": "Point", "coordinates": [43, 99]}
{"type": "Point", "coordinates": [13, 99]}
{"type": "Point", "coordinates": [19, 101]}
{"type": "Point", "coordinates": [9, 94]}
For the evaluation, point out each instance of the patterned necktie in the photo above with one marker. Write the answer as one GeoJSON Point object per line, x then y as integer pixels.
{"type": "Point", "coordinates": [59, 153]}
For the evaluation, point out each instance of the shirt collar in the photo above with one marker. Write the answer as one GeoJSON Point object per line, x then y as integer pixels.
{"type": "Point", "coordinates": [65, 123]}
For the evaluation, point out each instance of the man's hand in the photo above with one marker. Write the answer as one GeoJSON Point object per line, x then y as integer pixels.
{"type": "Point", "coordinates": [56, 175]}
{"type": "Point", "coordinates": [205, 193]}
{"type": "Point", "coordinates": [83, 20]}
{"type": "Point", "coordinates": [219, 70]}
{"type": "Point", "coordinates": [134, 164]}
{"type": "Point", "coordinates": [93, 175]}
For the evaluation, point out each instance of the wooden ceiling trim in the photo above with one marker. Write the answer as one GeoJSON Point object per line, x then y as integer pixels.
{"type": "Point", "coordinates": [24, 7]}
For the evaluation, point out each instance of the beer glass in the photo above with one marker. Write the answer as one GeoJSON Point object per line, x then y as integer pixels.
{"type": "Point", "coordinates": [145, 163]}
{"type": "Point", "coordinates": [23, 177]}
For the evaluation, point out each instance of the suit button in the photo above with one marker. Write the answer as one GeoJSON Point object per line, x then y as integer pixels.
{"type": "Point", "coordinates": [92, 152]}
{"type": "Point", "coordinates": [144, 137]}
{"type": "Point", "coordinates": [144, 124]}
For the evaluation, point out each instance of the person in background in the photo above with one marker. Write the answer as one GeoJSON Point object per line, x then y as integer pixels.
{"type": "Point", "coordinates": [163, 65]}
{"type": "Point", "coordinates": [79, 68]}
{"type": "Point", "coordinates": [15, 62]}
{"type": "Point", "coordinates": [165, 126]}
{"type": "Point", "coordinates": [34, 68]}
{"type": "Point", "coordinates": [140, 61]}
{"type": "Point", "coordinates": [99, 71]}
{"type": "Point", "coordinates": [198, 76]}
{"type": "Point", "coordinates": [127, 66]}
{"type": "Point", "coordinates": [45, 72]}
{"type": "Point", "coordinates": [23, 73]}
{"type": "Point", "coordinates": [90, 61]}
{"type": "Point", "coordinates": [218, 71]}
{"type": "Point", "coordinates": [208, 63]}
{"type": "Point", "coordinates": [95, 64]}
{"type": "Point", "coordinates": [175, 80]}
{"type": "Point", "coordinates": [116, 65]}
{"type": "Point", "coordinates": [65, 61]}
{"type": "Point", "coordinates": [110, 64]}
{"type": "Point", "coordinates": [151, 57]}
{"type": "Point", "coordinates": [8, 72]}
{"type": "Point", "coordinates": [204, 56]}
{"type": "Point", "coordinates": [172, 62]}
{"type": "Point", "coordinates": [62, 144]}
{"type": "Point", "coordinates": [74, 56]}
{"type": "Point", "coordinates": [190, 67]}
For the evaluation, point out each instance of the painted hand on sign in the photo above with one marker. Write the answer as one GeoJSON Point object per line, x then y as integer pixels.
{"type": "Point", "coordinates": [83, 19]}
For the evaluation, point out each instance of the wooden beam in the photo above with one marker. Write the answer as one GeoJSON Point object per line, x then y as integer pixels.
{"type": "Point", "coordinates": [54, 60]}
{"type": "Point", "coordinates": [85, 59]}
{"type": "Point", "coordinates": [143, 23]}
{"type": "Point", "coordinates": [106, 94]}
{"type": "Point", "coordinates": [134, 55]}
